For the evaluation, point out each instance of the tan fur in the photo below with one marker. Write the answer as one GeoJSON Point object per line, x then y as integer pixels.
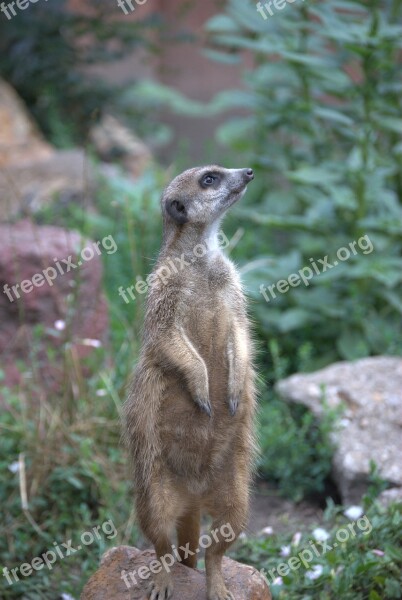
{"type": "Point", "coordinates": [190, 409]}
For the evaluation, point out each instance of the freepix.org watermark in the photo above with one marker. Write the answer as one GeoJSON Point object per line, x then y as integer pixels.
{"type": "Point", "coordinates": [316, 267]}
{"type": "Point", "coordinates": [127, 6]}
{"type": "Point", "coordinates": [61, 267]}
{"type": "Point", "coordinates": [175, 265]}
{"type": "Point", "coordinates": [225, 532]}
{"type": "Point", "coordinates": [316, 549]}
{"type": "Point", "coordinates": [9, 10]}
{"type": "Point", "coordinates": [272, 7]}
{"type": "Point", "coordinates": [60, 551]}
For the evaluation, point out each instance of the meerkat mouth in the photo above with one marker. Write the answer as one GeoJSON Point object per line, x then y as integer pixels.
{"type": "Point", "coordinates": [236, 195]}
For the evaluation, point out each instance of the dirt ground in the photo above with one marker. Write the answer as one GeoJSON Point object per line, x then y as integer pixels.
{"type": "Point", "coordinates": [269, 509]}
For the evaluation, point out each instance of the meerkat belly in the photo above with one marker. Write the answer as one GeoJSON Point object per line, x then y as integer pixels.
{"type": "Point", "coordinates": [195, 445]}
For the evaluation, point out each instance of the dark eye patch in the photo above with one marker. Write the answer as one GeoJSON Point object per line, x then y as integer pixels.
{"type": "Point", "coordinates": [211, 179]}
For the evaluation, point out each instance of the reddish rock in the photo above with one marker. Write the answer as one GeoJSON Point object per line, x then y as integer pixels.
{"type": "Point", "coordinates": [245, 582]}
{"type": "Point", "coordinates": [74, 299]}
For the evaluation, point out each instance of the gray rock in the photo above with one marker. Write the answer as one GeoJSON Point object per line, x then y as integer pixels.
{"type": "Point", "coordinates": [368, 393]}
{"type": "Point", "coordinates": [389, 496]}
{"type": "Point", "coordinates": [32, 172]}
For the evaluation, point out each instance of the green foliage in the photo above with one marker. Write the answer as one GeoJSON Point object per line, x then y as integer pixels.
{"type": "Point", "coordinates": [323, 134]}
{"type": "Point", "coordinates": [367, 565]}
{"type": "Point", "coordinates": [296, 451]}
{"type": "Point", "coordinates": [72, 476]}
{"type": "Point", "coordinates": [47, 52]}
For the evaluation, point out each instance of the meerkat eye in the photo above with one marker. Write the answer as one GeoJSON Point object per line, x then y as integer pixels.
{"type": "Point", "coordinates": [209, 179]}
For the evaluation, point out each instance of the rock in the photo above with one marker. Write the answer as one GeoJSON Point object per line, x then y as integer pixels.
{"type": "Point", "coordinates": [114, 141]}
{"type": "Point", "coordinates": [32, 172]}
{"type": "Point", "coordinates": [390, 496]}
{"type": "Point", "coordinates": [369, 394]}
{"type": "Point", "coordinates": [28, 187]}
{"type": "Point", "coordinates": [20, 139]}
{"type": "Point", "coordinates": [245, 582]}
{"type": "Point", "coordinates": [71, 304]}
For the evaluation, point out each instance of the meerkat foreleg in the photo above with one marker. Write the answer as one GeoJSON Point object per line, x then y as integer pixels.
{"type": "Point", "coordinates": [180, 354]}
{"type": "Point", "coordinates": [237, 366]}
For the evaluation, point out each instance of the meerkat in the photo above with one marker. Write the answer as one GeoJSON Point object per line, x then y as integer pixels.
{"type": "Point", "coordinates": [189, 415]}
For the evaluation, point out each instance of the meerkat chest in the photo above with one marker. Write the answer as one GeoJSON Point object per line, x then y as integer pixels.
{"type": "Point", "coordinates": [210, 308]}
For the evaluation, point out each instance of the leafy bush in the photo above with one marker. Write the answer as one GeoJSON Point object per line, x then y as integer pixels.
{"type": "Point", "coordinates": [323, 133]}
{"type": "Point", "coordinates": [296, 451]}
{"type": "Point", "coordinates": [367, 565]}
{"type": "Point", "coordinates": [62, 475]}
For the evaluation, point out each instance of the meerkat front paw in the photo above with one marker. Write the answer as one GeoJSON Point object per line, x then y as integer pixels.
{"type": "Point", "coordinates": [204, 404]}
{"type": "Point", "coordinates": [160, 587]}
{"type": "Point", "coordinates": [233, 402]}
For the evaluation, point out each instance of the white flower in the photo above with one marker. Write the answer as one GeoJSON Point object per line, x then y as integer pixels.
{"type": "Point", "coordinates": [101, 392]}
{"type": "Point", "coordinates": [353, 512]}
{"type": "Point", "coordinates": [66, 597]}
{"type": "Point", "coordinates": [90, 342]}
{"type": "Point", "coordinates": [315, 572]}
{"type": "Point", "coordinates": [60, 325]}
{"type": "Point", "coordinates": [267, 531]}
{"type": "Point", "coordinates": [242, 536]}
{"type": "Point", "coordinates": [320, 534]}
{"type": "Point", "coordinates": [277, 581]}
{"type": "Point", "coordinates": [285, 551]}
{"type": "Point", "coordinates": [14, 467]}
{"type": "Point", "coordinates": [296, 539]}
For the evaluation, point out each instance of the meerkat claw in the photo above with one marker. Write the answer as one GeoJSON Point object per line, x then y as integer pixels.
{"type": "Point", "coordinates": [233, 405]}
{"type": "Point", "coordinates": [204, 405]}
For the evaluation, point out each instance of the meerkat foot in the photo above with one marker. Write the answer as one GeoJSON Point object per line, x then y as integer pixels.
{"type": "Point", "coordinates": [161, 587]}
{"type": "Point", "coordinates": [221, 594]}
{"type": "Point", "coordinates": [217, 590]}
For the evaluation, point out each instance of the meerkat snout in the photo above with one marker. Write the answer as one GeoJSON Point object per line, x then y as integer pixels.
{"type": "Point", "coordinates": [203, 194]}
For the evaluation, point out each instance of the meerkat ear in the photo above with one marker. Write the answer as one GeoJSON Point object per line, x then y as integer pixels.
{"type": "Point", "coordinates": [177, 211]}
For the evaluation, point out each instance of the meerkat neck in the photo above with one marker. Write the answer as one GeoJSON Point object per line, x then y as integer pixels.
{"type": "Point", "coordinates": [183, 240]}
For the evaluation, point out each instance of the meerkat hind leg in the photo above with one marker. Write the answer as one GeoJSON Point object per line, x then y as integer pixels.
{"type": "Point", "coordinates": [234, 516]}
{"type": "Point", "coordinates": [158, 514]}
{"type": "Point", "coordinates": [188, 535]}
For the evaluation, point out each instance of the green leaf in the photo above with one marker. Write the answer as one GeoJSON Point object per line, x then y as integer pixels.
{"type": "Point", "coordinates": [351, 345]}
{"type": "Point", "coordinates": [330, 114]}
{"type": "Point", "coordinates": [221, 23]}
{"type": "Point", "coordinates": [294, 318]}
{"type": "Point", "coordinates": [222, 57]}
{"type": "Point", "coordinates": [313, 175]}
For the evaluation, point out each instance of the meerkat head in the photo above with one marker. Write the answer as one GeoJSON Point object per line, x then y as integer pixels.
{"type": "Point", "coordinates": [203, 194]}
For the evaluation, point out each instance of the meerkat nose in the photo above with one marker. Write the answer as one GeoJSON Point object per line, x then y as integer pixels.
{"type": "Point", "coordinates": [249, 174]}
